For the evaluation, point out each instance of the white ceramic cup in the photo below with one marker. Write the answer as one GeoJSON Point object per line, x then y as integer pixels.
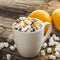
{"type": "Point", "coordinates": [29, 43]}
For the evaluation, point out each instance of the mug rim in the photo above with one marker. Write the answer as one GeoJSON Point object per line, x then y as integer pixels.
{"type": "Point", "coordinates": [31, 32]}
{"type": "Point", "coordinates": [28, 32]}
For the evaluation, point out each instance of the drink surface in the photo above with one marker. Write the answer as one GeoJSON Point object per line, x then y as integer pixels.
{"type": "Point", "coordinates": [24, 24]}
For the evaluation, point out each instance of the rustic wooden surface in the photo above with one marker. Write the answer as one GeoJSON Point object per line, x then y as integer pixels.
{"type": "Point", "coordinates": [21, 5]}
{"type": "Point", "coordinates": [26, 6]}
{"type": "Point", "coordinates": [12, 10]}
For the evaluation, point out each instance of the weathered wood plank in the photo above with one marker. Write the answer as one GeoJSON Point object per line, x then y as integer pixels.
{"type": "Point", "coordinates": [22, 5]}
{"type": "Point", "coordinates": [6, 27]}
{"type": "Point", "coordinates": [26, 6]}
{"type": "Point", "coordinates": [6, 22]}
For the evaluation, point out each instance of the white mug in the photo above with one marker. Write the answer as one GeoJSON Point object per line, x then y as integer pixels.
{"type": "Point", "coordinates": [29, 43]}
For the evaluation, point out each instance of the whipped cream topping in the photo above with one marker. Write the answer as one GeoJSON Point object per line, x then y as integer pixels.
{"type": "Point", "coordinates": [25, 25]}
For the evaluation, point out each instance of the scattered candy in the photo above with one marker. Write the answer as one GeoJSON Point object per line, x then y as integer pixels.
{"type": "Point", "coordinates": [56, 43]}
{"type": "Point", "coordinates": [8, 56]}
{"type": "Point", "coordinates": [28, 22]}
{"type": "Point", "coordinates": [12, 48]}
{"type": "Point", "coordinates": [49, 50]}
{"type": "Point", "coordinates": [57, 49]}
{"type": "Point", "coordinates": [52, 57]}
{"type": "Point", "coordinates": [51, 43]}
{"type": "Point", "coordinates": [42, 52]}
{"type": "Point", "coordinates": [54, 35]}
{"type": "Point", "coordinates": [2, 45]}
{"type": "Point", "coordinates": [44, 45]}
{"type": "Point", "coordinates": [58, 46]}
{"type": "Point", "coordinates": [51, 39]}
{"type": "Point", "coordinates": [56, 38]}
{"type": "Point", "coordinates": [6, 44]}
{"type": "Point", "coordinates": [15, 45]}
{"type": "Point", "coordinates": [57, 54]}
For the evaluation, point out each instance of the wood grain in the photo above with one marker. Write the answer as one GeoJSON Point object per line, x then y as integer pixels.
{"type": "Point", "coordinates": [22, 5]}
{"type": "Point", "coordinates": [10, 10]}
{"type": "Point", "coordinates": [27, 6]}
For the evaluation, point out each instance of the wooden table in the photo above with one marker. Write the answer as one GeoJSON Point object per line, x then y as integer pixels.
{"type": "Point", "coordinates": [7, 18]}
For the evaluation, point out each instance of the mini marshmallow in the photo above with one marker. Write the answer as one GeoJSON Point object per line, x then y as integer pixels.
{"type": "Point", "coordinates": [49, 50]}
{"type": "Point", "coordinates": [58, 46]}
{"type": "Point", "coordinates": [16, 26]}
{"type": "Point", "coordinates": [44, 45]}
{"type": "Point", "coordinates": [56, 38]}
{"type": "Point", "coordinates": [2, 45]}
{"type": "Point", "coordinates": [32, 29]}
{"type": "Point", "coordinates": [54, 35]}
{"type": "Point", "coordinates": [19, 29]}
{"type": "Point", "coordinates": [51, 39]}
{"type": "Point", "coordinates": [28, 22]}
{"type": "Point", "coordinates": [28, 30]}
{"type": "Point", "coordinates": [22, 18]}
{"type": "Point", "coordinates": [38, 27]}
{"type": "Point", "coordinates": [24, 29]}
{"type": "Point", "coordinates": [28, 26]}
{"type": "Point", "coordinates": [6, 44]}
{"type": "Point", "coordinates": [57, 49]}
{"type": "Point", "coordinates": [8, 56]}
{"type": "Point", "coordinates": [20, 24]}
{"type": "Point", "coordinates": [42, 52]}
{"type": "Point", "coordinates": [57, 54]}
{"type": "Point", "coordinates": [12, 48]}
{"type": "Point", "coordinates": [56, 43]}
{"type": "Point", "coordinates": [51, 43]}
{"type": "Point", "coordinates": [15, 45]}
{"type": "Point", "coordinates": [52, 57]}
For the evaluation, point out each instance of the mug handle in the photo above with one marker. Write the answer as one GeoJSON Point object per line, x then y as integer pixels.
{"type": "Point", "coordinates": [48, 32]}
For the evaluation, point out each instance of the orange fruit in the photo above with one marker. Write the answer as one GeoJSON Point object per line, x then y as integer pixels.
{"type": "Point", "coordinates": [42, 15]}
{"type": "Point", "coordinates": [56, 19]}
